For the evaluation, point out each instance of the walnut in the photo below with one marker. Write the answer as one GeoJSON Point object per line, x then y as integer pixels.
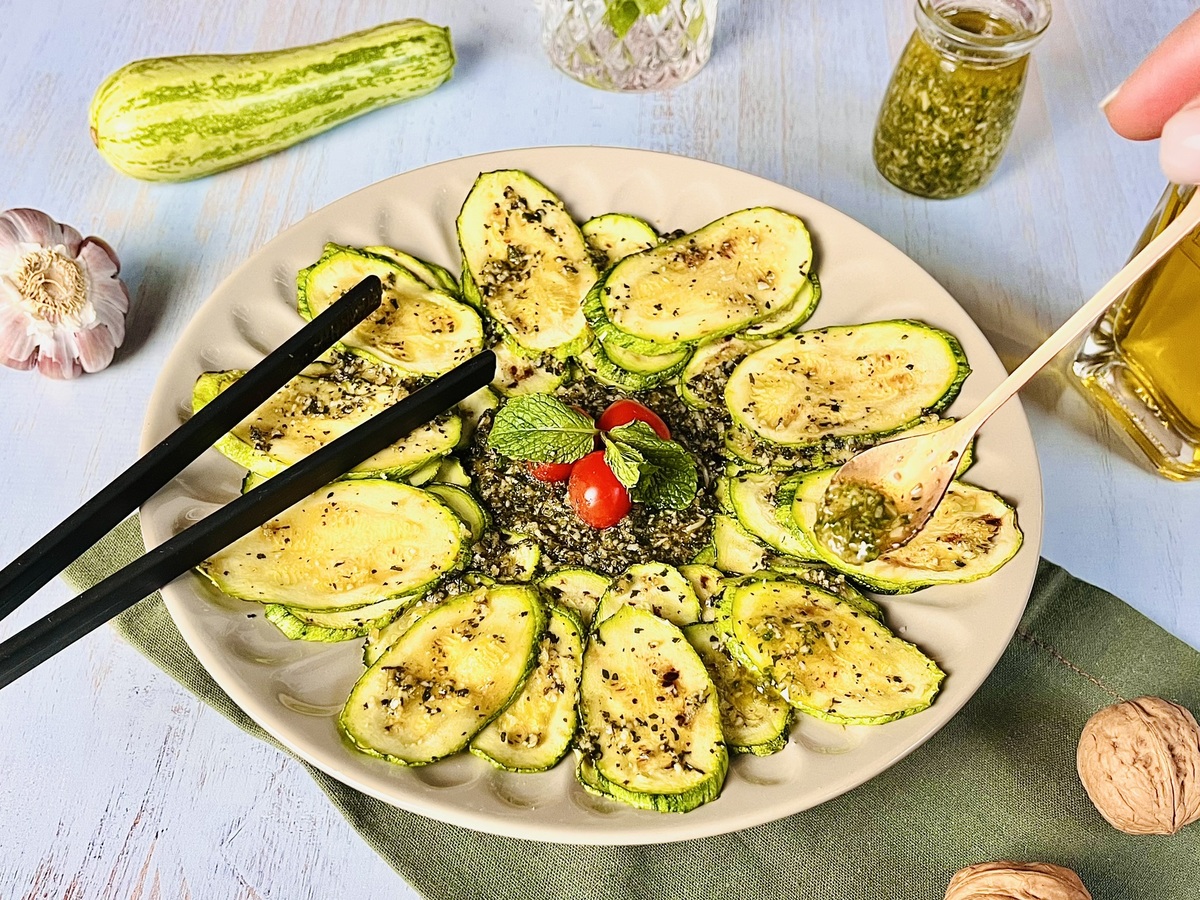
{"type": "Point", "coordinates": [1006, 880]}
{"type": "Point", "coordinates": [1139, 762]}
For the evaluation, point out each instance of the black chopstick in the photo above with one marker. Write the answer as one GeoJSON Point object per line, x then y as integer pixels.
{"type": "Point", "coordinates": [166, 562]}
{"type": "Point", "coordinates": [30, 571]}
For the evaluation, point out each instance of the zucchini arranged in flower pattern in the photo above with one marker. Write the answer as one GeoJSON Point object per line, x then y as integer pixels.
{"type": "Point", "coordinates": [614, 236]}
{"type": "Point", "coordinates": [650, 717]}
{"type": "Point", "coordinates": [180, 117]}
{"type": "Point", "coordinates": [656, 587]}
{"type": "Point", "coordinates": [446, 677]}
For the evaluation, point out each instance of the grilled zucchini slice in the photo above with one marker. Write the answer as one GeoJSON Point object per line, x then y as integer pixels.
{"type": "Point", "coordinates": [578, 589]}
{"type": "Point", "coordinates": [379, 639]}
{"type": "Point", "coordinates": [702, 381]}
{"type": "Point", "coordinates": [614, 236]}
{"type": "Point", "coordinates": [851, 381]}
{"type": "Point", "coordinates": [310, 411]}
{"type": "Point", "coordinates": [465, 506]}
{"type": "Point", "coordinates": [517, 373]}
{"type": "Point", "coordinates": [336, 625]}
{"type": "Point", "coordinates": [526, 262]}
{"type": "Point", "coordinates": [432, 274]}
{"type": "Point", "coordinates": [826, 657]}
{"type": "Point", "coordinates": [349, 545]}
{"type": "Point", "coordinates": [792, 318]}
{"type": "Point", "coordinates": [446, 677]}
{"type": "Point", "coordinates": [736, 550]}
{"type": "Point", "coordinates": [656, 587]}
{"type": "Point", "coordinates": [753, 496]}
{"type": "Point", "coordinates": [720, 279]}
{"type": "Point", "coordinates": [651, 722]}
{"type": "Point", "coordinates": [535, 730]}
{"type": "Point", "coordinates": [754, 717]}
{"type": "Point", "coordinates": [417, 330]}
{"type": "Point", "coordinates": [971, 534]}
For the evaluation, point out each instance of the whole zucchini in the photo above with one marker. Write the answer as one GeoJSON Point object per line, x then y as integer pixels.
{"type": "Point", "coordinates": [181, 117]}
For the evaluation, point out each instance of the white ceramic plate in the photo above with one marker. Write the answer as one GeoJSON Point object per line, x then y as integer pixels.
{"type": "Point", "coordinates": [295, 689]}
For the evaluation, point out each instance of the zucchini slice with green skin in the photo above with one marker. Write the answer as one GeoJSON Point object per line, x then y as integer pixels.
{"type": "Point", "coordinates": [336, 625]}
{"type": "Point", "coordinates": [527, 262]}
{"type": "Point", "coordinates": [465, 506]}
{"type": "Point", "coordinates": [720, 279]}
{"type": "Point", "coordinates": [737, 551]}
{"type": "Point", "coordinates": [309, 412]}
{"type": "Point", "coordinates": [708, 583]}
{"type": "Point", "coordinates": [419, 478]}
{"type": "Point", "coordinates": [789, 319]}
{"type": "Point", "coordinates": [432, 274]}
{"type": "Point", "coordinates": [610, 336]}
{"type": "Point", "coordinates": [450, 674]}
{"type": "Point", "coordinates": [660, 364]}
{"type": "Point", "coordinates": [753, 498]}
{"type": "Point", "coordinates": [417, 330]}
{"type": "Point", "coordinates": [873, 379]}
{"type": "Point", "coordinates": [521, 557]}
{"type": "Point", "coordinates": [472, 409]}
{"type": "Point", "coordinates": [702, 381]}
{"type": "Point", "coordinates": [518, 374]}
{"type": "Point", "coordinates": [578, 589]}
{"type": "Point", "coordinates": [349, 545]}
{"type": "Point", "coordinates": [379, 639]}
{"type": "Point", "coordinates": [451, 471]}
{"type": "Point", "coordinates": [650, 719]}
{"type": "Point", "coordinates": [827, 579]}
{"type": "Point", "coordinates": [596, 363]}
{"type": "Point", "coordinates": [971, 534]}
{"type": "Point", "coordinates": [826, 657]}
{"type": "Point", "coordinates": [614, 236]}
{"type": "Point", "coordinates": [754, 717]}
{"type": "Point", "coordinates": [180, 117]}
{"type": "Point", "coordinates": [535, 731]}
{"type": "Point", "coordinates": [656, 587]}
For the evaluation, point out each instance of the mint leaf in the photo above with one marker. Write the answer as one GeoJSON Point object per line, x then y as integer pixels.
{"type": "Point", "coordinates": [620, 15]}
{"type": "Point", "coordinates": [667, 475]}
{"type": "Point", "coordinates": [625, 462]}
{"type": "Point", "coordinates": [539, 428]}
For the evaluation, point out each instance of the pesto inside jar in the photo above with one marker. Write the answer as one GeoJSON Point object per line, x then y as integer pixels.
{"type": "Point", "coordinates": [948, 112]}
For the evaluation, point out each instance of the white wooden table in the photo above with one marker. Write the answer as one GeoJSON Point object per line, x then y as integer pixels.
{"type": "Point", "coordinates": [116, 783]}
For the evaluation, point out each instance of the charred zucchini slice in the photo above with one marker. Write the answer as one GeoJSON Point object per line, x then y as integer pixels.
{"type": "Point", "coordinates": [526, 261]}
{"type": "Point", "coordinates": [446, 677]}
{"type": "Point", "coordinates": [349, 545]}
{"type": "Point", "coordinates": [971, 534]}
{"type": "Point", "coordinates": [650, 717]}
{"type": "Point", "coordinates": [754, 717]}
{"type": "Point", "coordinates": [535, 730]}
{"type": "Point", "coordinates": [309, 412]}
{"type": "Point", "coordinates": [656, 587]}
{"type": "Point", "coordinates": [418, 329]}
{"type": "Point", "coordinates": [851, 381]}
{"type": "Point", "coordinates": [826, 657]}
{"type": "Point", "coordinates": [702, 381]}
{"type": "Point", "coordinates": [720, 279]}
{"type": "Point", "coordinates": [517, 373]}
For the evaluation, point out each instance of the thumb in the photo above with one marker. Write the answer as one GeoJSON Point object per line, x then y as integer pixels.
{"type": "Point", "coordinates": [1179, 150]}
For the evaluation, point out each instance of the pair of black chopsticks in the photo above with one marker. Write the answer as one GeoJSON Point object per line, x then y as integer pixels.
{"type": "Point", "coordinates": [162, 564]}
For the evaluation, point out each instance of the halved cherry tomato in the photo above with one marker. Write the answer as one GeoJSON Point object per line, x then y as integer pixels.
{"type": "Point", "coordinates": [596, 495]}
{"type": "Point", "coordinates": [551, 472]}
{"type": "Point", "coordinates": [623, 412]}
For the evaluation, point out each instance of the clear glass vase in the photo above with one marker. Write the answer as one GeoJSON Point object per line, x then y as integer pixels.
{"type": "Point", "coordinates": [629, 45]}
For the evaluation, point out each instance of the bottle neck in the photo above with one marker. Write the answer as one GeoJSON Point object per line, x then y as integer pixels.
{"type": "Point", "coordinates": [982, 32]}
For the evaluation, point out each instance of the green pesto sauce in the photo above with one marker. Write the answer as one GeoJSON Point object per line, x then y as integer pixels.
{"type": "Point", "coordinates": [945, 121]}
{"type": "Point", "coordinates": [857, 522]}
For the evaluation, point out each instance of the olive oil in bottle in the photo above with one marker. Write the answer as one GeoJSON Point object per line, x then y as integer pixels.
{"type": "Point", "coordinates": [1140, 361]}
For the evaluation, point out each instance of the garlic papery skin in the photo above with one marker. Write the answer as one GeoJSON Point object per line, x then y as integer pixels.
{"type": "Point", "coordinates": [62, 304]}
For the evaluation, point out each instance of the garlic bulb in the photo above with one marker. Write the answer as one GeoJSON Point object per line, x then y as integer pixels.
{"type": "Point", "coordinates": [62, 306]}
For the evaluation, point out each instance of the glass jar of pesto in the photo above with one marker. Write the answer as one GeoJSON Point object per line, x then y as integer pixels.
{"type": "Point", "coordinates": [953, 99]}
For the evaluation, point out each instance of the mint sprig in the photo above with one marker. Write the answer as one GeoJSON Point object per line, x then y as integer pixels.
{"type": "Point", "coordinates": [625, 462]}
{"type": "Point", "coordinates": [667, 476]}
{"type": "Point", "coordinates": [539, 428]}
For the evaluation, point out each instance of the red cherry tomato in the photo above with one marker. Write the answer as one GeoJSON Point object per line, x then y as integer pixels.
{"type": "Point", "coordinates": [625, 411]}
{"type": "Point", "coordinates": [596, 495]}
{"type": "Point", "coordinates": [551, 472]}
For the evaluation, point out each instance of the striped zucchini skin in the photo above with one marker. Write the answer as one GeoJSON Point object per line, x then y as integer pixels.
{"type": "Point", "coordinates": [181, 117]}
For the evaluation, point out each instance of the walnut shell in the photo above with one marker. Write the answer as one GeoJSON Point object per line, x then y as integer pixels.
{"type": "Point", "coordinates": [1139, 762]}
{"type": "Point", "coordinates": [1007, 880]}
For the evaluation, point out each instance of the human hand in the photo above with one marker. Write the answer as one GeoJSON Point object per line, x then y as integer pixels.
{"type": "Point", "coordinates": [1162, 99]}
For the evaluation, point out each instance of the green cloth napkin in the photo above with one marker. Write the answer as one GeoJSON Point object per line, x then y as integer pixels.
{"type": "Point", "coordinates": [998, 782]}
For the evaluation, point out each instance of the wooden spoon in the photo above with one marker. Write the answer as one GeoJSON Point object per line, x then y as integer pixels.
{"type": "Point", "coordinates": [913, 473]}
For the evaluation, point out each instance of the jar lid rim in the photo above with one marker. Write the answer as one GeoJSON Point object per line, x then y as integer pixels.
{"type": "Point", "coordinates": [1029, 34]}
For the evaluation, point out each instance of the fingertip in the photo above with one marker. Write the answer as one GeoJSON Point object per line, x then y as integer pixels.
{"type": "Point", "coordinates": [1179, 150]}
